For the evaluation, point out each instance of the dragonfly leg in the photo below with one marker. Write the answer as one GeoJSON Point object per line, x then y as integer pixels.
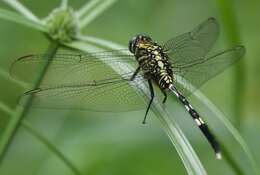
{"type": "Point", "coordinates": [165, 96]}
{"type": "Point", "coordinates": [151, 100]}
{"type": "Point", "coordinates": [135, 73]}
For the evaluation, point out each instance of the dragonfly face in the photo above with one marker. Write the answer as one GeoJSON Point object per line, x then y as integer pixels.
{"type": "Point", "coordinates": [139, 41]}
{"type": "Point", "coordinates": [152, 60]}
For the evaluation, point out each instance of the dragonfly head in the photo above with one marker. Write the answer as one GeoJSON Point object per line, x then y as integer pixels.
{"type": "Point", "coordinates": [140, 41]}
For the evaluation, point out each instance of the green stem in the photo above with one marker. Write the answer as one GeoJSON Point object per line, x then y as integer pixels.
{"type": "Point", "coordinates": [50, 146]}
{"type": "Point", "coordinates": [19, 19]}
{"type": "Point", "coordinates": [86, 7]}
{"type": "Point", "coordinates": [16, 120]}
{"type": "Point", "coordinates": [95, 12]}
{"type": "Point", "coordinates": [232, 33]}
{"type": "Point", "coordinates": [5, 74]}
{"type": "Point", "coordinates": [64, 4]}
{"type": "Point", "coordinates": [19, 7]}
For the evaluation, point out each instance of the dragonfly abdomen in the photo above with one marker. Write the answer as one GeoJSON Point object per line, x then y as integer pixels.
{"type": "Point", "coordinates": [165, 81]}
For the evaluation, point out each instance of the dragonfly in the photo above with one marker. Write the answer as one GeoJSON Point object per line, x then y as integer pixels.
{"type": "Point", "coordinates": [85, 81]}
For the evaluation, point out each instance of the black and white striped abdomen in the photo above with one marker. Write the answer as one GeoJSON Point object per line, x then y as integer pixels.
{"type": "Point", "coordinates": [200, 123]}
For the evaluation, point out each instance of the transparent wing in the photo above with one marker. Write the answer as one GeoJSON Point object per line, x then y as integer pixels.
{"type": "Point", "coordinates": [78, 82]}
{"type": "Point", "coordinates": [68, 68]}
{"type": "Point", "coordinates": [107, 95]}
{"type": "Point", "coordinates": [200, 71]}
{"type": "Point", "coordinates": [193, 45]}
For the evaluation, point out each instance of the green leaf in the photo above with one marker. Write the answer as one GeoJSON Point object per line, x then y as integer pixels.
{"type": "Point", "coordinates": [100, 42]}
{"type": "Point", "coordinates": [11, 16]}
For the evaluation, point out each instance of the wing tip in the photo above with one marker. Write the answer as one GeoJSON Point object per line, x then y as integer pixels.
{"type": "Point", "coordinates": [25, 56]}
{"type": "Point", "coordinates": [30, 92]}
{"type": "Point", "coordinates": [23, 98]}
{"type": "Point", "coordinates": [212, 19]}
{"type": "Point", "coordinates": [15, 61]}
{"type": "Point", "coordinates": [241, 48]}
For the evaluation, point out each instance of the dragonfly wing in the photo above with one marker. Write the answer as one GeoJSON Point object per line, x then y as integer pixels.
{"type": "Point", "coordinates": [200, 71]}
{"type": "Point", "coordinates": [78, 81]}
{"type": "Point", "coordinates": [110, 95]}
{"type": "Point", "coordinates": [68, 68]}
{"type": "Point", "coordinates": [193, 45]}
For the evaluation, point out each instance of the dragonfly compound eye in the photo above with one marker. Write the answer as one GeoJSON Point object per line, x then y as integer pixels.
{"type": "Point", "coordinates": [135, 40]}
{"type": "Point", "coordinates": [132, 44]}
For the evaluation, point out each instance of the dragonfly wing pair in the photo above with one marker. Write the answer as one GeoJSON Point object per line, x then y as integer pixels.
{"type": "Point", "coordinates": [190, 60]}
{"type": "Point", "coordinates": [82, 81]}
{"type": "Point", "coordinates": [78, 81]}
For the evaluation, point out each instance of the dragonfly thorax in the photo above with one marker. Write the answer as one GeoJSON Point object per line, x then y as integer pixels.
{"type": "Point", "coordinates": [153, 61]}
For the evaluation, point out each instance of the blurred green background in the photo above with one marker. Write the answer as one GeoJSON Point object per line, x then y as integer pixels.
{"type": "Point", "coordinates": [117, 143]}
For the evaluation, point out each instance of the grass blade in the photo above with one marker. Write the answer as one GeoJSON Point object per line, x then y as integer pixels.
{"type": "Point", "coordinates": [7, 76]}
{"type": "Point", "coordinates": [187, 154]}
{"type": "Point", "coordinates": [234, 132]}
{"type": "Point", "coordinates": [86, 7]}
{"type": "Point", "coordinates": [100, 42]}
{"type": "Point", "coordinates": [95, 12]}
{"type": "Point", "coordinates": [6, 109]}
{"type": "Point", "coordinates": [233, 36]}
{"type": "Point", "coordinates": [11, 16]}
{"type": "Point", "coordinates": [221, 117]}
{"type": "Point", "coordinates": [23, 10]}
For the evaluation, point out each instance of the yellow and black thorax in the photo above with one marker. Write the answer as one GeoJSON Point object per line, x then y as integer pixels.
{"type": "Point", "coordinates": [152, 60]}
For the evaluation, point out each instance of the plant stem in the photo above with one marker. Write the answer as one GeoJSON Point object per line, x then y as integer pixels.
{"type": "Point", "coordinates": [22, 9]}
{"type": "Point", "coordinates": [86, 7]}
{"type": "Point", "coordinates": [64, 4]}
{"type": "Point", "coordinates": [95, 12]}
{"type": "Point", "coordinates": [17, 18]}
{"type": "Point", "coordinates": [16, 120]}
{"type": "Point", "coordinates": [7, 76]}
{"type": "Point", "coordinates": [50, 146]}
{"type": "Point", "coordinates": [232, 33]}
